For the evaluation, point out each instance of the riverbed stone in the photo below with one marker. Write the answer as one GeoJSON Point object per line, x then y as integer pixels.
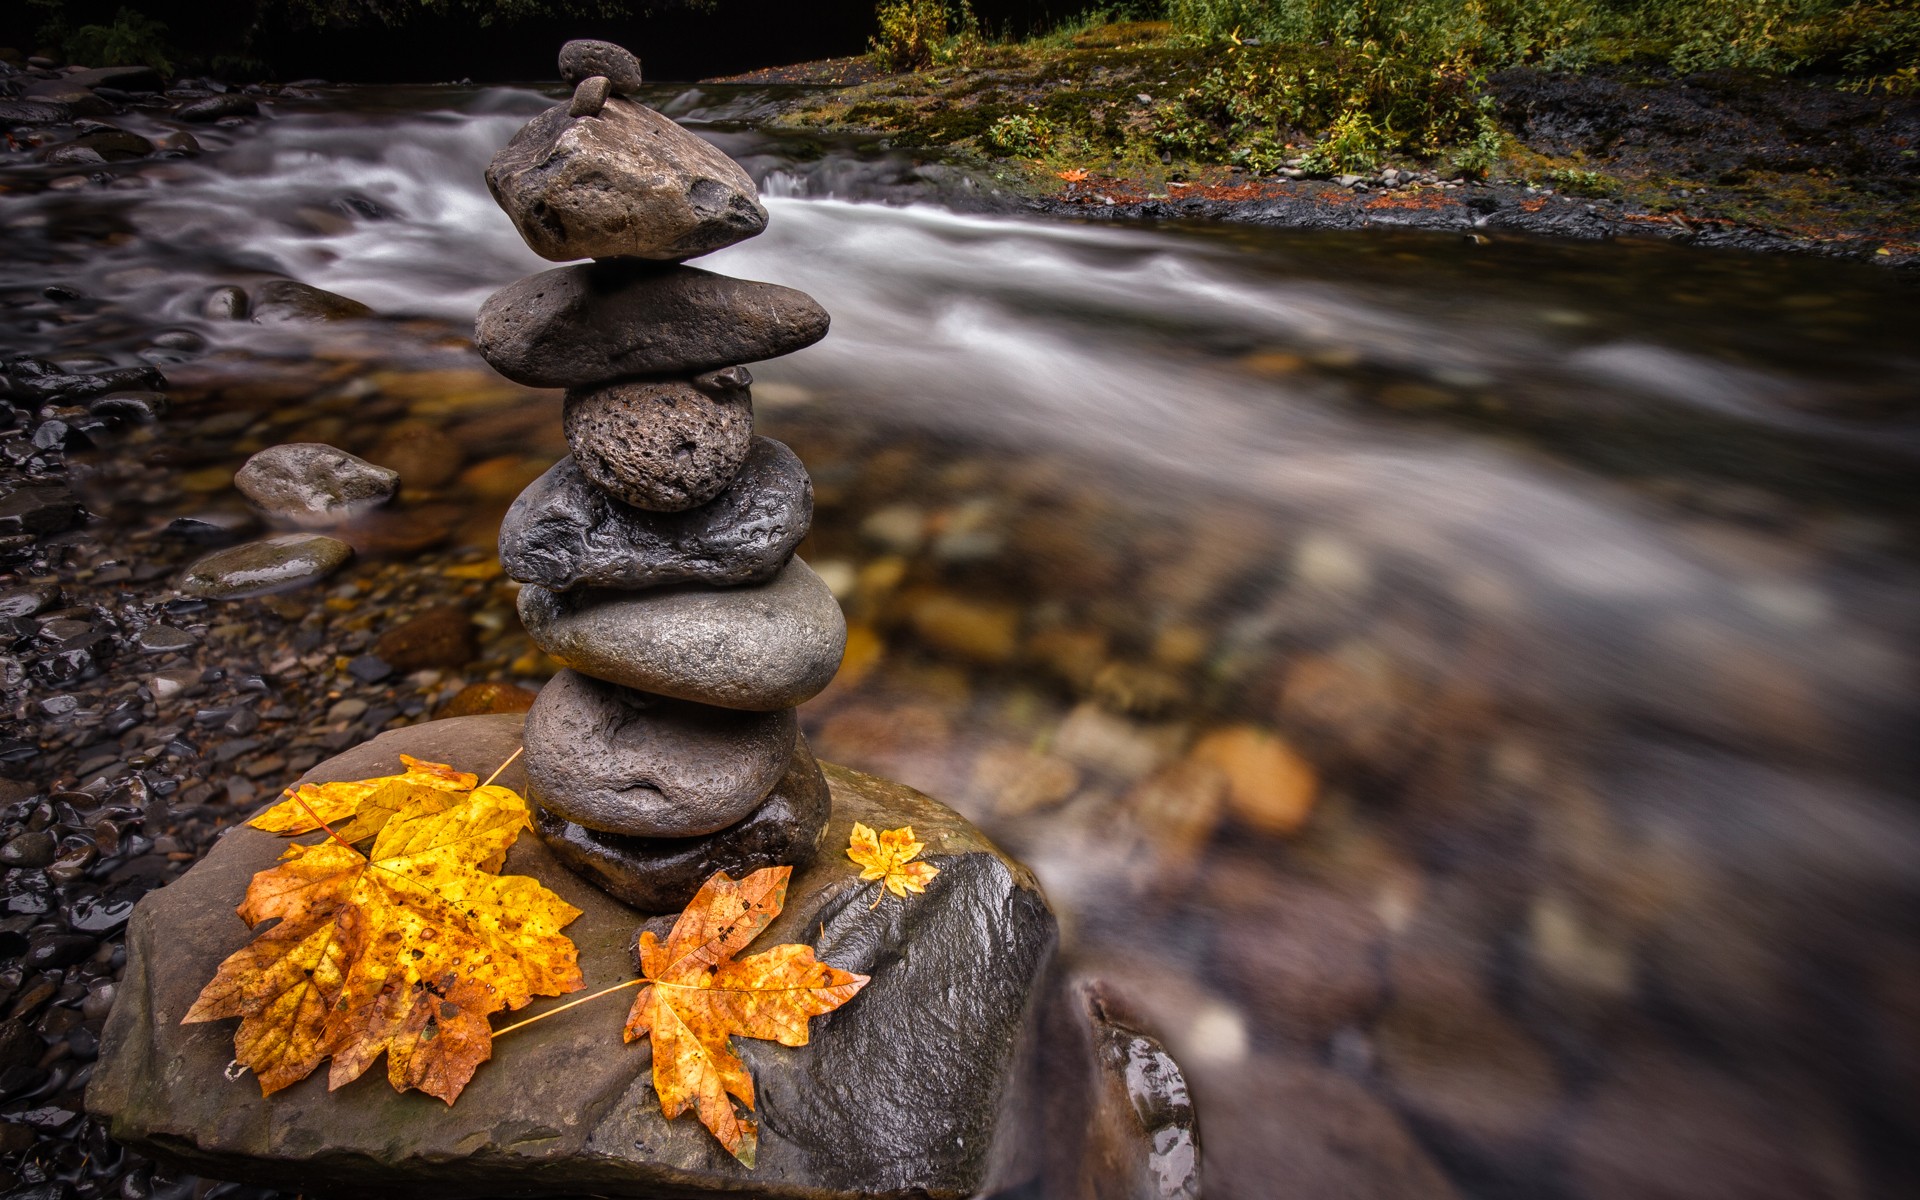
{"type": "Point", "coordinates": [659, 875]}
{"type": "Point", "coordinates": [664, 446]}
{"type": "Point", "coordinates": [765, 646]}
{"type": "Point", "coordinates": [582, 325]}
{"type": "Point", "coordinates": [899, 1092]}
{"type": "Point", "coordinates": [274, 564]}
{"type": "Point", "coordinates": [313, 484]}
{"type": "Point", "coordinates": [628, 183]}
{"type": "Point", "coordinates": [563, 532]}
{"type": "Point", "coordinates": [620, 761]}
{"type": "Point", "coordinates": [290, 302]}
{"type": "Point", "coordinates": [583, 58]}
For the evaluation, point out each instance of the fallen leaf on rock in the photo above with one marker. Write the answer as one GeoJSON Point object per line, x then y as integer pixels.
{"type": "Point", "coordinates": [404, 950]}
{"type": "Point", "coordinates": [885, 857]}
{"type": "Point", "coordinates": [305, 810]}
{"type": "Point", "coordinates": [697, 994]}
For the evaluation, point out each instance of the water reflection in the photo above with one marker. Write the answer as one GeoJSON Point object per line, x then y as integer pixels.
{"type": "Point", "coordinates": [1459, 693]}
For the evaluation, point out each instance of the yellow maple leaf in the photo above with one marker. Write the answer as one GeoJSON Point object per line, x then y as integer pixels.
{"type": "Point", "coordinates": [305, 810]}
{"type": "Point", "coordinates": [697, 995]}
{"type": "Point", "coordinates": [886, 857]}
{"type": "Point", "coordinates": [405, 950]}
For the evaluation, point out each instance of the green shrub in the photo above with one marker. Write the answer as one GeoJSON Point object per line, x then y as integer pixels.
{"type": "Point", "coordinates": [920, 33]}
{"type": "Point", "coordinates": [1577, 182]}
{"type": "Point", "coordinates": [1022, 135]}
{"type": "Point", "coordinates": [133, 39]}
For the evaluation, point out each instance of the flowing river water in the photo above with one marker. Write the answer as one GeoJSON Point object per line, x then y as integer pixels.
{"type": "Point", "coordinates": [1458, 695]}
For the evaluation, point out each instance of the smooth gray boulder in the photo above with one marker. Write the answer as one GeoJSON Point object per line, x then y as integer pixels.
{"type": "Point", "coordinates": [583, 58]}
{"type": "Point", "coordinates": [563, 532]}
{"type": "Point", "coordinates": [275, 564]}
{"type": "Point", "coordinates": [588, 324]}
{"type": "Point", "coordinates": [659, 875]}
{"type": "Point", "coordinates": [625, 183]}
{"type": "Point", "coordinates": [313, 484]}
{"type": "Point", "coordinates": [900, 1093]}
{"type": "Point", "coordinates": [620, 761]}
{"type": "Point", "coordinates": [664, 446]}
{"type": "Point", "coordinates": [767, 646]}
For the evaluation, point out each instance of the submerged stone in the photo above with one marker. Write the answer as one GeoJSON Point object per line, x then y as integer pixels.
{"type": "Point", "coordinates": [313, 484]}
{"type": "Point", "coordinates": [563, 532]}
{"type": "Point", "coordinates": [583, 325]}
{"type": "Point", "coordinates": [767, 646]}
{"type": "Point", "coordinates": [662, 446]}
{"type": "Point", "coordinates": [625, 183]}
{"type": "Point", "coordinates": [899, 1092]}
{"type": "Point", "coordinates": [290, 302]}
{"type": "Point", "coordinates": [275, 564]}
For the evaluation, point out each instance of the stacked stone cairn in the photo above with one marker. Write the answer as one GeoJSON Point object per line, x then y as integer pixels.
{"type": "Point", "coordinates": [657, 558]}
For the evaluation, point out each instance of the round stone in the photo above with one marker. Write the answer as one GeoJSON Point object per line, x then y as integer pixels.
{"type": "Point", "coordinates": [660, 875]}
{"type": "Point", "coordinates": [313, 484]}
{"type": "Point", "coordinates": [564, 533]}
{"type": "Point", "coordinates": [620, 761]}
{"type": "Point", "coordinates": [583, 58]}
{"type": "Point", "coordinates": [589, 98]}
{"type": "Point", "coordinates": [275, 564]}
{"type": "Point", "coordinates": [665, 446]}
{"type": "Point", "coordinates": [766, 646]}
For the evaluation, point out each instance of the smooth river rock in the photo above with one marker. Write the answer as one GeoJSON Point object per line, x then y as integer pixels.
{"type": "Point", "coordinates": [583, 325]}
{"type": "Point", "coordinates": [766, 646]}
{"type": "Point", "coordinates": [620, 761]}
{"type": "Point", "coordinates": [899, 1093]}
{"type": "Point", "coordinates": [659, 875]}
{"type": "Point", "coordinates": [626, 183]}
{"type": "Point", "coordinates": [663, 446]}
{"type": "Point", "coordinates": [313, 484]}
{"type": "Point", "coordinates": [563, 532]}
{"type": "Point", "coordinates": [583, 58]}
{"type": "Point", "coordinates": [275, 564]}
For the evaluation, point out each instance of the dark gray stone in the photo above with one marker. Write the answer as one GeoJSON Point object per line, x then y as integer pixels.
{"type": "Point", "coordinates": [126, 79]}
{"type": "Point", "coordinates": [290, 302]}
{"type": "Point", "coordinates": [899, 1093]}
{"type": "Point", "coordinates": [659, 875]}
{"type": "Point", "coordinates": [664, 446]}
{"type": "Point", "coordinates": [620, 761]}
{"type": "Point", "coordinates": [590, 97]}
{"type": "Point", "coordinates": [563, 532]}
{"type": "Point", "coordinates": [313, 484]}
{"type": "Point", "coordinates": [275, 564]}
{"type": "Point", "coordinates": [627, 183]}
{"type": "Point", "coordinates": [583, 58]}
{"type": "Point", "coordinates": [766, 646]}
{"type": "Point", "coordinates": [579, 326]}
{"type": "Point", "coordinates": [72, 154]}
{"type": "Point", "coordinates": [1122, 1122]}
{"type": "Point", "coordinates": [215, 108]}
{"type": "Point", "coordinates": [226, 303]}
{"type": "Point", "coordinates": [42, 509]}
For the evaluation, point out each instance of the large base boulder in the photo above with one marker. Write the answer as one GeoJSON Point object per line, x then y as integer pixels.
{"type": "Point", "coordinates": [899, 1093]}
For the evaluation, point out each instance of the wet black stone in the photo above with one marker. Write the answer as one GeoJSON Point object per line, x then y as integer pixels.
{"type": "Point", "coordinates": [563, 532]}
{"type": "Point", "coordinates": [202, 528]}
{"type": "Point", "coordinates": [214, 108]}
{"type": "Point", "coordinates": [40, 510]}
{"type": "Point", "coordinates": [29, 850]}
{"type": "Point", "coordinates": [164, 639]}
{"type": "Point", "coordinates": [129, 406]}
{"type": "Point", "coordinates": [659, 875]}
{"type": "Point", "coordinates": [99, 914]}
{"type": "Point", "coordinates": [59, 950]}
{"type": "Point", "coordinates": [369, 668]}
{"type": "Point", "coordinates": [28, 600]}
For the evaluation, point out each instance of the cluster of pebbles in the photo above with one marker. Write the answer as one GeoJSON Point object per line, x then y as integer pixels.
{"type": "Point", "coordinates": [657, 558]}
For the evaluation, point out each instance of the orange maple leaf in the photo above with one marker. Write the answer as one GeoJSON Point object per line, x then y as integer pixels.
{"type": "Point", "coordinates": [697, 994]}
{"type": "Point", "coordinates": [1073, 175]}
{"type": "Point", "coordinates": [886, 857]}
{"type": "Point", "coordinates": [405, 950]}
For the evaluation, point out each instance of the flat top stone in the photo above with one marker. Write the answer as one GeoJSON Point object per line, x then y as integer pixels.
{"type": "Point", "coordinates": [897, 1094]}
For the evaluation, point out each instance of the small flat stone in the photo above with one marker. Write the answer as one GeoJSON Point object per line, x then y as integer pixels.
{"type": "Point", "coordinates": [274, 564]}
{"type": "Point", "coordinates": [590, 97]}
{"type": "Point", "coordinates": [563, 532]}
{"type": "Point", "coordinates": [165, 639]}
{"type": "Point", "coordinates": [215, 108]}
{"type": "Point", "coordinates": [628, 183]}
{"type": "Point", "coordinates": [620, 761]}
{"type": "Point", "coordinates": [583, 58]}
{"type": "Point", "coordinates": [584, 325]}
{"type": "Point", "coordinates": [762, 647]}
{"type": "Point", "coordinates": [313, 484]}
{"type": "Point", "coordinates": [290, 302]}
{"type": "Point", "coordinates": [663, 446]}
{"type": "Point", "coordinates": [659, 875]}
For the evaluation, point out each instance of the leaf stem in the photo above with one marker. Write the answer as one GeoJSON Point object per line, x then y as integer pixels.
{"type": "Point", "coordinates": [302, 802]}
{"type": "Point", "coordinates": [560, 1008]}
{"type": "Point", "coordinates": [503, 766]}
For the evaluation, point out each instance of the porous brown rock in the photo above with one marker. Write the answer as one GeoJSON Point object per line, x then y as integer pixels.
{"type": "Point", "coordinates": [662, 446]}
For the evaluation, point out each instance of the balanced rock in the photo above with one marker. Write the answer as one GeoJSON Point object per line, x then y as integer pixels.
{"type": "Point", "coordinates": [583, 325]}
{"type": "Point", "coordinates": [564, 533]}
{"type": "Point", "coordinates": [659, 875]}
{"type": "Point", "coordinates": [313, 484]}
{"type": "Point", "coordinates": [663, 446]}
{"type": "Point", "coordinates": [621, 761]}
{"type": "Point", "coordinates": [583, 58]}
{"type": "Point", "coordinates": [590, 97]}
{"type": "Point", "coordinates": [626, 183]}
{"type": "Point", "coordinates": [765, 646]}
{"type": "Point", "coordinates": [900, 1092]}
{"type": "Point", "coordinates": [274, 564]}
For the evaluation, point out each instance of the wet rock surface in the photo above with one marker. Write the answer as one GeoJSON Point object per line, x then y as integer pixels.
{"type": "Point", "coordinates": [578, 326]}
{"type": "Point", "coordinates": [659, 875]}
{"type": "Point", "coordinates": [313, 485]}
{"type": "Point", "coordinates": [627, 183]}
{"type": "Point", "coordinates": [563, 532]}
{"type": "Point", "coordinates": [290, 302]}
{"type": "Point", "coordinates": [666, 446]}
{"type": "Point", "coordinates": [274, 564]}
{"type": "Point", "coordinates": [620, 761]}
{"type": "Point", "coordinates": [763, 646]}
{"type": "Point", "coordinates": [879, 1103]}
